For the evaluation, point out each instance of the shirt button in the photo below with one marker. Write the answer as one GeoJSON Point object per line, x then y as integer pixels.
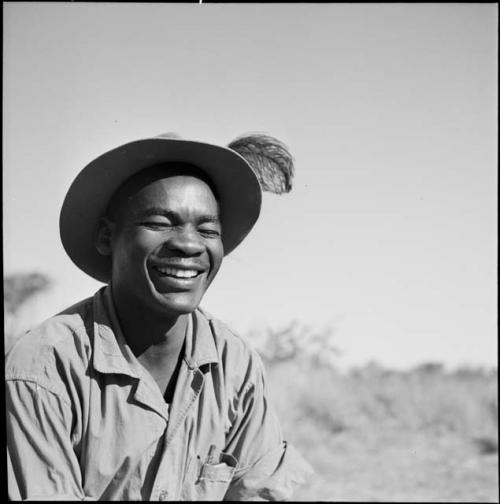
{"type": "Point", "coordinates": [163, 495]}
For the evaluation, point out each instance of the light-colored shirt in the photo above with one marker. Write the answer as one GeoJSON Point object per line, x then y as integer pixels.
{"type": "Point", "coordinates": [86, 421]}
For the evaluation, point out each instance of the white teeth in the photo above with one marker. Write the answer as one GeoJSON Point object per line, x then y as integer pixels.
{"type": "Point", "coordinates": [179, 273]}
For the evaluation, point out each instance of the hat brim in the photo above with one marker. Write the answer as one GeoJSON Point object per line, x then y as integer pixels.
{"type": "Point", "coordinates": [87, 199]}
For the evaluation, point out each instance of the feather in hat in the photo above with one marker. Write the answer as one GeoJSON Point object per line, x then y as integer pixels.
{"type": "Point", "coordinates": [270, 159]}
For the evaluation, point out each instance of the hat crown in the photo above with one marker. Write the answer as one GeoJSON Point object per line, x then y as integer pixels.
{"type": "Point", "coordinates": [170, 134]}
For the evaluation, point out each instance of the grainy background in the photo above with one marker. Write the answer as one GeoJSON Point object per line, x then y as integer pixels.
{"type": "Point", "coordinates": [371, 288]}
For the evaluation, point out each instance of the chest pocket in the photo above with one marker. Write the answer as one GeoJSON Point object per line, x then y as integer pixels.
{"type": "Point", "coordinates": [209, 481]}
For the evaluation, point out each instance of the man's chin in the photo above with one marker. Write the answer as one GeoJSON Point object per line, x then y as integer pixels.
{"type": "Point", "coordinates": [176, 304]}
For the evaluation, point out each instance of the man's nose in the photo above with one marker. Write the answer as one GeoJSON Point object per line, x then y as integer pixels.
{"type": "Point", "coordinates": [186, 241]}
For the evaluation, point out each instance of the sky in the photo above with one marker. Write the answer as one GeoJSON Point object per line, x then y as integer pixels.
{"type": "Point", "coordinates": [389, 235]}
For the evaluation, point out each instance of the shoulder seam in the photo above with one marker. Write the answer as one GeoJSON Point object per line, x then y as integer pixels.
{"type": "Point", "coordinates": [38, 384]}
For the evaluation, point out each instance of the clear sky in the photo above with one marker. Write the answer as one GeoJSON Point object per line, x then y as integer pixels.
{"type": "Point", "coordinates": [390, 233]}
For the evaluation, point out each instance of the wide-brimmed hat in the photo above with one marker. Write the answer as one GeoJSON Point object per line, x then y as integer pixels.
{"type": "Point", "coordinates": [87, 199]}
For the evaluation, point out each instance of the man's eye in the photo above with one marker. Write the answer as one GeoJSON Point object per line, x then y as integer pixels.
{"type": "Point", "coordinates": [155, 224]}
{"type": "Point", "coordinates": [210, 231]}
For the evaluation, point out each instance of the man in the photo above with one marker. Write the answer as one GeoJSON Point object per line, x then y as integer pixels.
{"type": "Point", "coordinates": [136, 393]}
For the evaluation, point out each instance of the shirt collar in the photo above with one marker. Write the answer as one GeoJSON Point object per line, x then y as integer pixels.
{"type": "Point", "coordinates": [200, 341]}
{"type": "Point", "coordinates": [113, 355]}
{"type": "Point", "coordinates": [111, 351]}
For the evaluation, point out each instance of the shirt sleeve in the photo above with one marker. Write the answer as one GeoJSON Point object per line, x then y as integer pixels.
{"type": "Point", "coordinates": [42, 464]}
{"type": "Point", "coordinates": [268, 468]}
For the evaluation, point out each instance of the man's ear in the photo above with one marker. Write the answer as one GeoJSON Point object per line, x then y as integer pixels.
{"type": "Point", "coordinates": [104, 235]}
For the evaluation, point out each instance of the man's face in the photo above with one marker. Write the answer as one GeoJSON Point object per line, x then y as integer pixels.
{"type": "Point", "coordinates": [166, 245]}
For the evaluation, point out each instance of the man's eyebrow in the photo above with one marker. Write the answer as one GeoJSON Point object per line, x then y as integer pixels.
{"type": "Point", "coordinates": [152, 211]}
{"type": "Point", "coordinates": [209, 218]}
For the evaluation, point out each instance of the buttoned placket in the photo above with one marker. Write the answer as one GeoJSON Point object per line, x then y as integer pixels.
{"type": "Point", "coordinates": [169, 479]}
{"type": "Point", "coordinates": [168, 482]}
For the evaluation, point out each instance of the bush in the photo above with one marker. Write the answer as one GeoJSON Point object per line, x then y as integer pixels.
{"type": "Point", "coordinates": [308, 388]}
{"type": "Point", "coordinates": [19, 290]}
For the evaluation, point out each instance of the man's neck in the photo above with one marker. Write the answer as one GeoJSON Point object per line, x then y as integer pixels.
{"type": "Point", "coordinates": [149, 333]}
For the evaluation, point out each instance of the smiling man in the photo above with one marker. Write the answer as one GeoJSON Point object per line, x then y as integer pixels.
{"type": "Point", "coordinates": [137, 393]}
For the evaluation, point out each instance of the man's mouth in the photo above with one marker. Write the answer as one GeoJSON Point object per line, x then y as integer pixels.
{"type": "Point", "coordinates": [177, 272]}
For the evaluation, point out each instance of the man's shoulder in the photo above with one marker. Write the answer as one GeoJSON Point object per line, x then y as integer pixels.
{"type": "Point", "coordinates": [235, 352]}
{"type": "Point", "coordinates": [225, 335]}
{"type": "Point", "coordinates": [60, 341]}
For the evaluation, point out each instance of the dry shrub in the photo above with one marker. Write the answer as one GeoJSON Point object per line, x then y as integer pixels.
{"type": "Point", "coordinates": [313, 395]}
{"type": "Point", "coordinates": [19, 291]}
